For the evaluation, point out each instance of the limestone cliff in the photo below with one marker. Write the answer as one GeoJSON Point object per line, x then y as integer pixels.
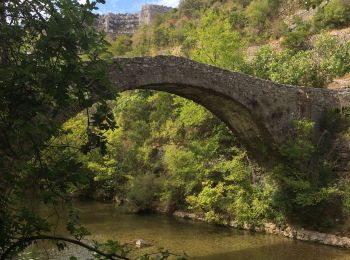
{"type": "Point", "coordinates": [126, 24]}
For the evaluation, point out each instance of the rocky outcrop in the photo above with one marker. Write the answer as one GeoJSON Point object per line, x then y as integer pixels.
{"type": "Point", "coordinates": [140, 243]}
{"type": "Point", "coordinates": [308, 235]}
{"type": "Point", "coordinates": [127, 24]}
{"type": "Point", "coordinates": [118, 24]}
{"type": "Point", "coordinates": [288, 231]}
{"type": "Point", "coordinates": [150, 12]}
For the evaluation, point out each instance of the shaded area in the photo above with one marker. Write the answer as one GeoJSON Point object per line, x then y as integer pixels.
{"type": "Point", "coordinates": [199, 240]}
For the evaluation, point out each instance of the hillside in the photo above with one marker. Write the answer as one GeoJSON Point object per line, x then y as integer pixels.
{"type": "Point", "coordinates": [311, 37]}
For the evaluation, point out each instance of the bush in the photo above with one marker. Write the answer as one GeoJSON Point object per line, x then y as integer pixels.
{"type": "Point", "coordinates": [237, 19]}
{"type": "Point", "coordinates": [333, 15]}
{"type": "Point", "coordinates": [232, 195]}
{"type": "Point", "coordinates": [297, 39]}
{"type": "Point", "coordinates": [310, 3]}
{"type": "Point", "coordinates": [288, 67]}
{"type": "Point", "coordinates": [335, 56]}
{"type": "Point", "coordinates": [216, 44]}
{"type": "Point", "coordinates": [190, 7]}
{"type": "Point", "coordinates": [308, 193]}
{"type": "Point", "coordinates": [261, 62]}
{"type": "Point", "coordinates": [121, 45]}
{"type": "Point", "coordinates": [300, 69]}
{"type": "Point", "coordinates": [259, 11]}
{"type": "Point", "coordinates": [183, 173]}
{"type": "Point", "coordinates": [143, 192]}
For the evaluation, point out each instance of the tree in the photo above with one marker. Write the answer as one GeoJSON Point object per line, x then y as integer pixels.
{"type": "Point", "coordinates": [216, 44]}
{"type": "Point", "coordinates": [49, 63]}
{"type": "Point", "coordinates": [121, 45]}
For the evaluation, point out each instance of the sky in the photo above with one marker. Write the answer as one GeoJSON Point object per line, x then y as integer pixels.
{"type": "Point", "coordinates": [131, 6]}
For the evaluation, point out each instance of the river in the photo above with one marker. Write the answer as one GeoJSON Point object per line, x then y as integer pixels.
{"type": "Point", "coordinates": [199, 240]}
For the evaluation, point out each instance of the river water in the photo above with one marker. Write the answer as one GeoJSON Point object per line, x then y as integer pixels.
{"type": "Point", "coordinates": [199, 240]}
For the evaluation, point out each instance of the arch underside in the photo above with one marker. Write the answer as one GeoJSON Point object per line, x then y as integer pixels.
{"type": "Point", "coordinates": [249, 130]}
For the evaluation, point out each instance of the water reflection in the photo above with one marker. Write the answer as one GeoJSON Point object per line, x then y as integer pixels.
{"type": "Point", "coordinates": [198, 240]}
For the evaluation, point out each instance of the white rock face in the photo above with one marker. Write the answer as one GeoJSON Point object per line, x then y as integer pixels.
{"type": "Point", "coordinates": [127, 24]}
{"type": "Point", "coordinates": [118, 24]}
{"type": "Point", "coordinates": [150, 12]}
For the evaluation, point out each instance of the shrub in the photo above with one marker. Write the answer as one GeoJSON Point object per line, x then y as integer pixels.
{"type": "Point", "coordinates": [288, 67]}
{"type": "Point", "coordinates": [261, 62]}
{"type": "Point", "coordinates": [259, 11]}
{"type": "Point", "coordinates": [297, 39]}
{"type": "Point", "coordinates": [310, 3]}
{"type": "Point", "coordinates": [183, 171]}
{"type": "Point", "coordinates": [237, 19]}
{"type": "Point", "coordinates": [190, 7]}
{"type": "Point", "coordinates": [333, 15]}
{"type": "Point", "coordinates": [121, 45]}
{"type": "Point", "coordinates": [216, 44]}
{"type": "Point", "coordinates": [308, 193]}
{"type": "Point", "coordinates": [334, 55]}
{"type": "Point", "coordinates": [143, 192]}
{"type": "Point", "coordinates": [232, 195]}
{"type": "Point", "coordinates": [300, 69]}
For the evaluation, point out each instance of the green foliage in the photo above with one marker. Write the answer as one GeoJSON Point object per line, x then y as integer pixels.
{"type": "Point", "coordinates": [308, 193]}
{"type": "Point", "coordinates": [231, 195]}
{"type": "Point", "coordinates": [50, 62]}
{"type": "Point", "coordinates": [121, 45]}
{"type": "Point", "coordinates": [165, 151]}
{"type": "Point", "coordinates": [143, 192]}
{"type": "Point", "coordinates": [216, 44]}
{"type": "Point", "coordinates": [310, 3]}
{"type": "Point", "coordinates": [192, 115]}
{"type": "Point", "coordinates": [237, 18]}
{"type": "Point", "coordinates": [288, 67]}
{"type": "Point", "coordinates": [190, 7]}
{"type": "Point", "coordinates": [335, 14]}
{"type": "Point", "coordinates": [297, 39]}
{"type": "Point", "coordinates": [334, 54]}
{"type": "Point", "coordinates": [259, 11]}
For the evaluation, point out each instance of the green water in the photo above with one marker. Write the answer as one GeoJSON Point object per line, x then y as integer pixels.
{"type": "Point", "coordinates": [199, 240]}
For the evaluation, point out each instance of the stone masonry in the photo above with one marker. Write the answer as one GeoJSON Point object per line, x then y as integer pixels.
{"type": "Point", "coordinates": [260, 112]}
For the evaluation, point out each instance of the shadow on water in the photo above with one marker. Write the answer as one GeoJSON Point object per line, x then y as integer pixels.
{"type": "Point", "coordinates": [279, 251]}
{"type": "Point", "coordinates": [199, 240]}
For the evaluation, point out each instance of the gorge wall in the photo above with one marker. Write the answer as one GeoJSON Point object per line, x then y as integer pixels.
{"type": "Point", "coordinates": [127, 24]}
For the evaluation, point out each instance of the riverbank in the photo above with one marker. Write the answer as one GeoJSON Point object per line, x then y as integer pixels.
{"type": "Point", "coordinates": [198, 239]}
{"type": "Point", "coordinates": [288, 231]}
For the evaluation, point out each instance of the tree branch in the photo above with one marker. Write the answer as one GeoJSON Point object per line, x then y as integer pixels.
{"type": "Point", "coordinates": [28, 240]}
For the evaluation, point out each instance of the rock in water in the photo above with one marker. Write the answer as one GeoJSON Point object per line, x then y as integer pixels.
{"type": "Point", "coordinates": [140, 243]}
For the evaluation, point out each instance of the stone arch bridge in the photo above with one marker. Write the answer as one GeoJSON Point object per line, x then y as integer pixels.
{"type": "Point", "coordinates": [260, 112]}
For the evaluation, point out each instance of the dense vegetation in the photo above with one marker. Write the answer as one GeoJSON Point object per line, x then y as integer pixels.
{"type": "Point", "coordinates": [151, 150]}
{"type": "Point", "coordinates": [190, 167]}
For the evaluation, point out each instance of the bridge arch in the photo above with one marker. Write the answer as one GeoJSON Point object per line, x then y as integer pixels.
{"type": "Point", "coordinates": [259, 112]}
